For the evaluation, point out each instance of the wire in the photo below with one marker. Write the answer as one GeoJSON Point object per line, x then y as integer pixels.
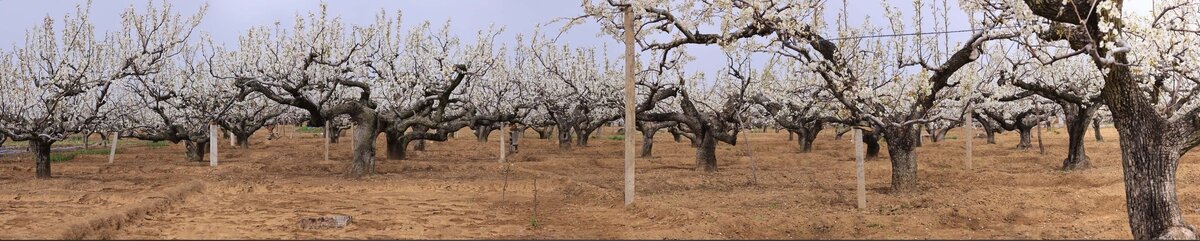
{"type": "Point", "coordinates": [912, 34]}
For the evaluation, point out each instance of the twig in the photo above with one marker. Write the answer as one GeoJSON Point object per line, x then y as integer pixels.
{"type": "Point", "coordinates": [753, 167]}
{"type": "Point", "coordinates": [535, 201]}
{"type": "Point", "coordinates": [504, 189]}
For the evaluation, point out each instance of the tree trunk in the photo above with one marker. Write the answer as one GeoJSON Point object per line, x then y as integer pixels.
{"type": "Point", "coordinates": [196, 150]}
{"type": "Point", "coordinates": [364, 145]}
{"type": "Point", "coordinates": [41, 154]}
{"type": "Point", "coordinates": [808, 135]}
{"type": "Point", "coordinates": [648, 142]}
{"type": "Point", "coordinates": [483, 132]}
{"type": "Point", "coordinates": [396, 146]}
{"type": "Point", "coordinates": [988, 128]}
{"type": "Point", "coordinates": [1096, 129]}
{"type": "Point", "coordinates": [904, 159]}
{"type": "Point", "coordinates": [583, 137]}
{"type": "Point", "coordinates": [917, 136]}
{"type": "Point", "coordinates": [791, 135]}
{"type": "Point", "coordinates": [544, 132]}
{"type": "Point", "coordinates": [420, 146]}
{"type": "Point", "coordinates": [937, 134]}
{"type": "Point", "coordinates": [872, 141]}
{"type": "Point", "coordinates": [1150, 156]}
{"type": "Point", "coordinates": [334, 134]}
{"type": "Point", "coordinates": [1077, 118]}
{"type": "Point", "coordinates": [1026, 133]}
{"type": "Point", "coordinates": [564, 138]}
{"type": "Point", "coordinates": [805, 146]}
{"type": "Point", "coordinates": [706, 153]}
{"type": "Point", "coordinates": [242, 140]}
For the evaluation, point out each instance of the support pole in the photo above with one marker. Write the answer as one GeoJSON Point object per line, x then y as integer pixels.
{"type": "Point", "coordinates": [213, 139]}
{"type": "Point", "coordinates": [750, 154]}
{"type": "Point", "coordinates": [327, 136]}
{"type": "Point", "coordinates": [503, 151]}
{"type": "Point", "coordinates": [630, 121]}
{"type": "Point", "coordinates": [860, 182]}
{"type": "Point", "coordinates": [113, 151]}
{"type": "Point", "coordinates": [970, 135]}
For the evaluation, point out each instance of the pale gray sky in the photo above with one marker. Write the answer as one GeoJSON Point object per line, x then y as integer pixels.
{"type": "Point", "coordinates": [227, 19]}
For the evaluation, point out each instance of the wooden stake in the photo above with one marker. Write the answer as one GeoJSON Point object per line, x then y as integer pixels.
{"type": "Point", "coordinates": [113, 151]}
{"type": "Point", "coordinates": [535, 199]}
{"type": "Point", "coordinates": [860, 181]}
{"type": "Point", "coordinates": [1041, 148]}
{"type": "Point", "coordinates": [212, 144]}
{"type": "Point", "coordinates": [327, 137]}
{"type": "Point", "coordinates": [630, 121]}
{"type": "Point", "coordinates": [503, 151]}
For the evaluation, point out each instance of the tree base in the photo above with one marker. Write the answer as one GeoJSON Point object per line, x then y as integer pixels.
{"type": "Point", "coordinates": [1076, 165]}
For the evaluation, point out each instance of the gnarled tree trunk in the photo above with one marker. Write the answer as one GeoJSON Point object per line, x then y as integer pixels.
{"type": "Point", "coordinates": [872, 141]}
{"type": "Point", "coordinates": [420, 146]}
{"type": "Point", "coordinates": [242, 140]}
{"type": "Point", "coordinates": [564, 138]}
{"type": "Point", "coordinates": [1150, 150]}
{"type": "Point", "coordinates": [544, 132]}
{"type": "Point", "coordinates": [648, 142]}
{"type": "Point", "coordinates": [582, 137]}
{"type": "Point", "coordinates": [903, 157]}
{"type": "Point", "coordinates": [396, 146]}
{"type": "Point", "coordinates": [1077, 118]}
{"type": "Point", "coordinates": [917, 136]}
{"type": "Point", "coordinates": [363, 162]}
{"type": "Point", "coordinates": [41, 156]}
{"type": "Point", "coordinates": [808, 135]}
{"type": "Point", "coordinates": [1026, 133]}
{"type": "Point", "coordinates": [335, 133]}
{"type": "Point", "coordinates": [196, 150]}
{"type": "Point", "coordinates": [482, 132]}
{"type": "Point", "coordinates": [706, 153]}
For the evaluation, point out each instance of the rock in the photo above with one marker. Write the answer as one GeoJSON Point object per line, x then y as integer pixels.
{"type": "Point", "coordinates": [332, 221]}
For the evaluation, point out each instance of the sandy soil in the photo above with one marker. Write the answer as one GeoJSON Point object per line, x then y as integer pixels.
{"type": "Point", "coordinates": [457, 189]}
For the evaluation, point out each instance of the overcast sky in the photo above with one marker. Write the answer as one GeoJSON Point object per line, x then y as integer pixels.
{"type": "Point", "coordinates": [227, 19]}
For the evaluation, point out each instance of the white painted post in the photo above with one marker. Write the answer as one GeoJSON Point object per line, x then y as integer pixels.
{"type": "Point", "coordinates": [327, 137]}
{"type": "Point", "coordinates": [858, 169]}
{"type": "Point", "coordinates": [503, 151]}
{"type": "Point", "coordinates": [213, 139]}
{"type": "Point", "coordinates": [970, 135]}
{"type": "Point", "coordinates": [750, 154]}
{"type": "Point", "coordinates": [232, 140]}
{"type": "Point", "coordinates": [630, 121]}
{"type": "Point", "coordinates": [113, 151]}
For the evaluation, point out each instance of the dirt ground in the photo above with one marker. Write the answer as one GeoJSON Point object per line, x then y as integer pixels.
{"type": "Point", "coordinates": [457, 189]}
